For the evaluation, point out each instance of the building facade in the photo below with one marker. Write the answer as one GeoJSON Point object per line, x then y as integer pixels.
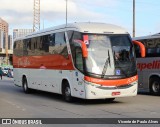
{"type": "Point", "coordinates": [1, 40]}
{"type": "Point", "coordinates": [10, 46]}
{"type": "Point", "coordinates": [21, 32]}
{"type": "Point", "coordinates": [4, 42]}
{"type": "Point", "coordinates": [4, 33]}
{"type": "Point", "coordinates": [4, 26]}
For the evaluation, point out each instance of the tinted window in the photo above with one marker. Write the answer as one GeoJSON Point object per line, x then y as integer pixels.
{"type": "Point", "coordinates": [137, 51]}
{"type": "Point", "coordinates": [45, 43]}
{"type": "Point", "coordinates": [25, 47]}
{"type": "Point", "coordinates": [42, 45]}
{"type": "Point", "coordinates": [60, 46]}
{"type": "Point", "coordinates": [70, 35]}
{"type": "Point", "coordinates": [120, 41]}
{"type": "Point", "coordinates": [18, 48]}
{"type": "Point", "coordinates": [38, 45]}
{"type": "Point", "coordinates": [60, 38]}
{"type": "Point", "coordinates": [152, 47]}
{"type": "Point", "coordinates": [74, 36]}
{"type": "Point", "coordinates": [79, 59]}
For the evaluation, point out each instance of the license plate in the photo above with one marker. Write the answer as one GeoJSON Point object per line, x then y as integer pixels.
{"type": "Point", "coordinates": [116, 93]}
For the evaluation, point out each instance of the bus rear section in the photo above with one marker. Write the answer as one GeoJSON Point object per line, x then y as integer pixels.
{"type": "Point", "coordinates": [99, 61]}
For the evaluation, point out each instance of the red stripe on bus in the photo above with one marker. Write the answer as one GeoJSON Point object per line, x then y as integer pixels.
{"type": "Point", "coordinates": [48, 62]}
{"type": "Point", "coordinates": [151, 65]}
{"type": "Point", "coordinates": [116, 82]}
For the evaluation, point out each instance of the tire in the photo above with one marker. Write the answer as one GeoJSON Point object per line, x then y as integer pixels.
{"type": "Point", "coordinates": [67, 92]}
{"type": "Point", "coordinates": [154, 86]}
{"type": "Point", "coordinates": [25, 86]}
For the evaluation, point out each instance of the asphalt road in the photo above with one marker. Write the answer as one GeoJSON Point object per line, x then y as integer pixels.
{"type": "Point", "coordinates": [15, 104]}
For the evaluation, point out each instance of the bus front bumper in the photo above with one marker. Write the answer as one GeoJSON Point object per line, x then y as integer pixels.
{"type": "Point", "coordinates": [96, 91]}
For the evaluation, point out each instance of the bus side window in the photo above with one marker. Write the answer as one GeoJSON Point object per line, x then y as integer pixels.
{"type": "Point", "coordinates": [60, 38]}
{"type": "Point", "coordinates": [51, 38]}
{"type": "Point", "coordinates": [33, 41]}
{"type": "Point", "coordinates": [74, 36]}
{"type": "Point", "coordinates": [70, 35]}
{"type": "Point", "coordinates": [46, 44]}
{"type": "Point", "coordinates": [38, 45]}
{"type": "Point", "coordinates": [137, 51]}
{"type": "Point", "coordinates": [60, 45]}
{"type": "Point", "coordinates": [29, 46]}
{"type": "Point", "coordinates": [51, 43]}
{"type": "Point", "coordinates": [79, 59]}
{"type": "Point", "coordinates": [25, 46]}
{"type": "Point", "coordinates": [15, 48]}
{"type": "Point", "coordinates": [18, 48]}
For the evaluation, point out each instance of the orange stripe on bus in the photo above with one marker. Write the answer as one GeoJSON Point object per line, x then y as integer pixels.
{"type": "Point", "coordinates": [57, 62]}
{"type": "Point", "coordinates": [116, 82]}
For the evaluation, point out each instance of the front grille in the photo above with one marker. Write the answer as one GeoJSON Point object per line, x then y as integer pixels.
{"type": "Point", "coordinates": [115, 87]}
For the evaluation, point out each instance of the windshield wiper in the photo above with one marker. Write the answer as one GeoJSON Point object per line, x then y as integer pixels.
{"type": "Point", "coordinates": [106, 65]}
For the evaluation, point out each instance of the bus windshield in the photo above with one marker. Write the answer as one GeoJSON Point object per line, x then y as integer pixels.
{"type": "Point", "coordinates": [110, 55]}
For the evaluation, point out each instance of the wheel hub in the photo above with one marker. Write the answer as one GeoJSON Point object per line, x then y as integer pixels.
{"type": "Point", "coordinates": [67, 91]}
{"type": "Point", "coordinates": [156, 87]}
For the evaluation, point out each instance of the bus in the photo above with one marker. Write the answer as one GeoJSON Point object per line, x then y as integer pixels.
{"type": "Point", "coordinates": [82, 60]}
{"type": "Point", "coordinates": [148, 67]}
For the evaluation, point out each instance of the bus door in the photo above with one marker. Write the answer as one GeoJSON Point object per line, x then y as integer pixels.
{"type": "Point", "coordinates": [78, 76]}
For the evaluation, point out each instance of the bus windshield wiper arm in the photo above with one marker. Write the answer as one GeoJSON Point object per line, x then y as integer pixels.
{"type": "Point", "coordinates": [106, 65]}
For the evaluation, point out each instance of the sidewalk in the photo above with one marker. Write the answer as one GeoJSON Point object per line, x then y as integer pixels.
{"type": "Point", "coordinates": [6, 78]}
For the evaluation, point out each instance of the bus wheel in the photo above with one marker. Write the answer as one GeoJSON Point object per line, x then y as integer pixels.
{"type": "Point", "coordinates": [25, 86]}
{"type": "Point", "coordinates": [155, 86]}
{"type": "Point", "coordinates": [67, 92]}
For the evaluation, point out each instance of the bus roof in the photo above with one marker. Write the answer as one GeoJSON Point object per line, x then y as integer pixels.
{"type": "Point", "coordinates": [86, 27]}
{"type": "Point", "coordinates": [147, 37]}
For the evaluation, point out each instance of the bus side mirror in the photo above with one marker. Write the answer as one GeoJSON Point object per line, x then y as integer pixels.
{"type": "Point", "coordinates": [142, 48]}
{"type": "Point", "coordinates": [84, 48]}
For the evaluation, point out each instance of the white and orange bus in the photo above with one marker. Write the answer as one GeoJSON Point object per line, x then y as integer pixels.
{"type": "Point", "coordinates": [83, 60]}
{"type": "Point", "coordinates": [148, 67]}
